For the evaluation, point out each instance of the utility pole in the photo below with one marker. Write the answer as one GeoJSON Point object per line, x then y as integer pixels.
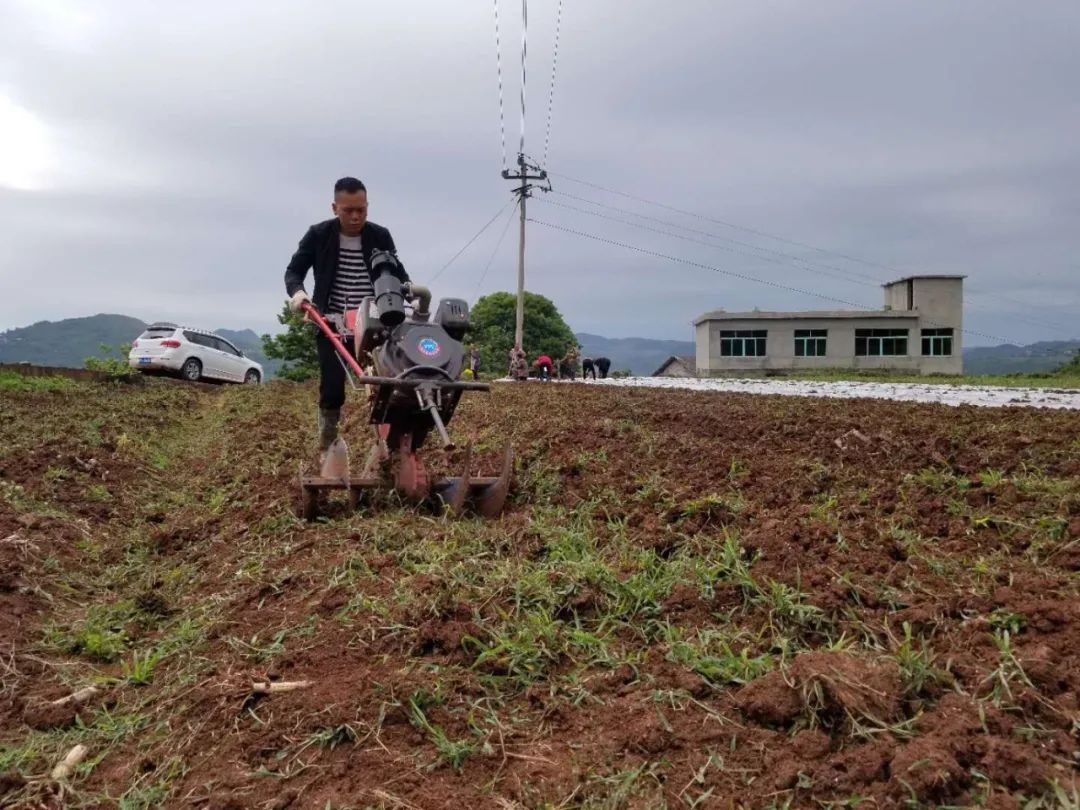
{"type": "Point", "coordinates": [524, 191]}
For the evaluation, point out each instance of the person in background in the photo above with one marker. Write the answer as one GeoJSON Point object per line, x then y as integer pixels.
{"type": "Point", "coordinates": [544, 367]}
{"type": "Point", "coordinates": [519, 366]}
{"type": "Point", "coordinates": [474, 361]}
{"type": "Point", "coordinates": [568, 366]}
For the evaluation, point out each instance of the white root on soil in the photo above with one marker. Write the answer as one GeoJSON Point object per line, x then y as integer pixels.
{"type": "Point", "coordinates": [66, 767]}
{"type": "Point", "coordinates": [270, 687]}
{"type": "Point", "coordinates": [81, 696]}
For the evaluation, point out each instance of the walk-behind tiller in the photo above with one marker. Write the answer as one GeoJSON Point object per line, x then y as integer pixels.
{"type": "Point", "coordinates": [414, 361]}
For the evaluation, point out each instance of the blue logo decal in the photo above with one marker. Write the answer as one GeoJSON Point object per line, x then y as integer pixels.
{"type": "Point", "coordinates": [429, 347]}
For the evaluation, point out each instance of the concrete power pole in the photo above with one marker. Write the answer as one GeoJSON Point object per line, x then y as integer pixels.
{"type": "Point", "coordinates": [523, 191]}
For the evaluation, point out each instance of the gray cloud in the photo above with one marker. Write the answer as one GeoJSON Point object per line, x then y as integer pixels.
{"type": "Point", "coordinates": [189, 152]}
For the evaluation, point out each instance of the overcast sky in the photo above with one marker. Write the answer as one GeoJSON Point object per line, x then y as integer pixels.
{"type": "Point", "coordinates": [164, 163]}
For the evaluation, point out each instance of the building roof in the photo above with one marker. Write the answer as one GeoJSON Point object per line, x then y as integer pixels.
{"type": "Point", "coordinates": [817, 315]}
{"type": "Point", "coordinates": [921, 275]}
{"type": "Point", "coordinates": [689, 361]}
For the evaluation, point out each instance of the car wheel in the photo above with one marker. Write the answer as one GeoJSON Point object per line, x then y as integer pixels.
{"type": "Point", "coordinates": [252, 377]}
{"type": "Point", "coordinates": [191, 370]}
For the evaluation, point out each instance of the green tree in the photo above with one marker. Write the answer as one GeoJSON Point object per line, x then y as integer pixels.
{"type": "Point", "coordinates": [493, 330]}
{"type": "Point", "coordinates": [1070, 366]}
{"type": "Point", "coordinates": [296, 346]}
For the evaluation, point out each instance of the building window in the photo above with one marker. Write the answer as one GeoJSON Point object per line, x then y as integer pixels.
{"type": "Point", "coordinates": [810, 342]}
{"type": "Point", "coordinates": [881, 342]}
{"type": "Point", "coordinates": [743, 343]}
{"type": "Point", "coordinates": [937, 342]}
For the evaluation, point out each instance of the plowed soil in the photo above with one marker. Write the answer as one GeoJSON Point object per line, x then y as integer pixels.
{"type": "Point", "coordinates": [693, 600]}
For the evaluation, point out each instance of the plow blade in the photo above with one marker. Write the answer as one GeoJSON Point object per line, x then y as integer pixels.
{"type": "Point", "coordinates": [486, 495]}
{"type": "Point", "coordinates": [489, 495]}
{"type": "Point", "coordinates": [410, 474]}
{"type": "Point", "coordinates": [453, 492]}
{"type": "Point", "coordinates": [312, 486]}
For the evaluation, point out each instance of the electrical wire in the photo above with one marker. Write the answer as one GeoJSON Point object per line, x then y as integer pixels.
{"type": "Point", "coordinates": [524, 49]}
{"type": "Point", "coordinates": [893, 271]}
{"type": "Point", "coordinates": [733, 274]}
{"type": "Point", "coordinates": [465, 247]}
{"type": "Point", "coordinates": [498, 72]}
{"type": "Point", "coordinates": [756, 232]}
{"type": "Point", "coordinates": [701, 265]}
{"type": "Point", "coordinates": [781, 262]}
{"type": "Point", "coordinates": [792, 261]}
{"type": "Point", "coordinates": [851, 275]}
{"type": "Point", "coordinates": [551, 91]}
{"type": "Point", "coordinates": [498, 244]}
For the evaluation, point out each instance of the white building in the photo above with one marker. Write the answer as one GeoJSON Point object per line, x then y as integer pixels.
{"type": "Point", "coordinates": [918, 330]}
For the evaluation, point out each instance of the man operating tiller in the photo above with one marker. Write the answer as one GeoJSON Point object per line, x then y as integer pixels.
{"type": "Point", "coordinates": [376, 331]}
{"type": "Point", "coordinates": [339, 250]}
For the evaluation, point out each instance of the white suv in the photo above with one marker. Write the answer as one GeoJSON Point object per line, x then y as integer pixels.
{"type": "Point", "coordinates": [193, 353]}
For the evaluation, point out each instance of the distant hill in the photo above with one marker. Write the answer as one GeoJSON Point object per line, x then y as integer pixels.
{"type": "Point", "coordinates": [70, 341]}
{"type": "Point", "coordinates": [642, 356]}
{"type": "Point", "coordinates": [1008, 359]}
{"type": "Point", "coordinates": [67, 343]}
{"type": "Point", "coordinates": [249, 343]}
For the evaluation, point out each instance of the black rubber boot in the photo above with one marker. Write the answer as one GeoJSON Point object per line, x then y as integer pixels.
{"type": "Point", "coordinates": [329, 418]}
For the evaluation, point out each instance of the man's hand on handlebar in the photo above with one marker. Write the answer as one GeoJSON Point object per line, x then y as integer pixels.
{"type": "Point", "coordinates": [299, 298]}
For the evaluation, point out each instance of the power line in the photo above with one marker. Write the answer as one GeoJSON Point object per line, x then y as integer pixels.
{"type": "Point", "coordinates": [639, 226]}
{"type": "Point", "coordinates": [498, 71]}
{"type": "Point", "coordinates": [786, 259]}
{"type": "Point", "coordinates": [733, 274]}
{"type": "Point", "coordinates": [795, 261]}
{"type": "Point", "coordinates": [466, 245]}
{"type": "Point", "coordinates": [551, 92]}
{"type": "Point", "coordinates": [524, 43]}
{"type": "Point", "coordinates": [726, 224]}
{"type": "Point", "coordinates": [866, 262]}
{"type": "Point", "coordinates": [498, 244]}
{"type": "Point", "coordinates": [701, 265]}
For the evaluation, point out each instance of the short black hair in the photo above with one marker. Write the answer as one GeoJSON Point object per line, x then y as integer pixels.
{"type": "Point", "coordinates": [350, 185]}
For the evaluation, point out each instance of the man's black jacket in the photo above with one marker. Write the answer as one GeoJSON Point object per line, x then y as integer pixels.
{"type": "Point", "coordinates": [319, 249]}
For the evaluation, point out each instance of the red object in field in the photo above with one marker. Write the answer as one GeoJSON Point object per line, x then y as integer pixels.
{"type": "Point", "coordinates": [544, 360]}
{"type": "Point", "coordinates": [171, 344]}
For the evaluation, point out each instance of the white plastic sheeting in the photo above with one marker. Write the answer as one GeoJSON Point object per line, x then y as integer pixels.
{"type": "Point", "coordinates": [983, 395]}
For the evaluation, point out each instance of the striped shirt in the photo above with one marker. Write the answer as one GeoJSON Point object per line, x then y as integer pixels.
{"type": "Point", "coordinates": [353, 282]}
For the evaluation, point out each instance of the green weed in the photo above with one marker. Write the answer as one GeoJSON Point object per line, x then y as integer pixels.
{"type": "Point", "coordinates": [1008, 673]}
{"type": "Point", "coordinates": [139, 671]}
{"type": "Point", "coordinates": [709, 654]}
{"type": "Point", "coordinates": [916, 662]}
{"type": "Point", "coordinates": [451, 752]}
{"type": "Point", "coordinates": [20, 383]}
{"type": "Point", "coordinates": [256, 649]}
{"type": "Point", "coordinates": [99, 493]}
